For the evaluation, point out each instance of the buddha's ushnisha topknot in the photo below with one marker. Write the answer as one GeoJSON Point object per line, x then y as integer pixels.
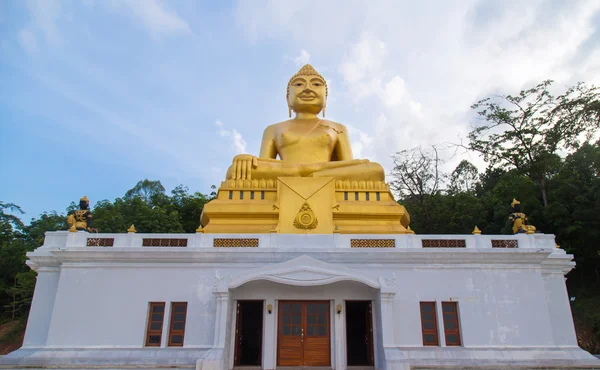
{"type": "Point", "coordinates": [307, 70]}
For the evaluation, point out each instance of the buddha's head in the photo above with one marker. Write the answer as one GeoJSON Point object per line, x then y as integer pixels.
{"type": "Point", "coordinates": [307, 91]}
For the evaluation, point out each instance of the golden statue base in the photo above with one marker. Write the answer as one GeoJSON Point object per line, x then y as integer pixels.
{"type": "Point", "coordinates": [304, 205]}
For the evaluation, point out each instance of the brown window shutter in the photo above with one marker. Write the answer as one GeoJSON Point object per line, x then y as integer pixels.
{"type": "Point", "coordinates": [451, 327]}
{"type": "Point", "coordinates": [429, 324]}
{"type": "Point", "coordinates": [177, 324]}
{"type": "Point", "coordinates": [156, 316]}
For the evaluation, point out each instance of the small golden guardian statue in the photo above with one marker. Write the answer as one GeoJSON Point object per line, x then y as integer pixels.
{"type": "Point", "coordinates": [81, 219]}
{"type": "Point", "coordinates": [519, 220]}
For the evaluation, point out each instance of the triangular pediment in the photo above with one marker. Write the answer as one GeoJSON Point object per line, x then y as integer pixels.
{"type": "Point", "coordinates": [305, 187]}
{"type": "Point", "coordinates": [303, 271]}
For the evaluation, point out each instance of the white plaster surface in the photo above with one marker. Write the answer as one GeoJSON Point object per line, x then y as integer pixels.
{"type": "Point", "coordinates": [91, 303]}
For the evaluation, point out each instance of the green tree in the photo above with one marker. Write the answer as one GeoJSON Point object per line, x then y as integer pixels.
{"type": "Point", "coordinates": [416, 177]}
{"type": "Point", "coordinates": [147, 190]}
{"type": "Point", "coordinates": [525, 132]}
{"type": "Point", "coordinates": [463, 178]}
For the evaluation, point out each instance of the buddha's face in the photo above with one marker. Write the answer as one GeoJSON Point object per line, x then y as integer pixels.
{"type": "Point", "coordinates": [307, 94]}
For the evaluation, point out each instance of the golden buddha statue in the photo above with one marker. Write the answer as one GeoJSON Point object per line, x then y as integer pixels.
{"type": "Point", "coordinates": [519, 219]}
{"type": "Point", "coordinates": [306, 145]}
{"type": "Point", "coordinates": [305, 179]}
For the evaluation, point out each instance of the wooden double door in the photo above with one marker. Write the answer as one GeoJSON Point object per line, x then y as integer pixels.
{"type": "Point", "coordinates": [303, 333]}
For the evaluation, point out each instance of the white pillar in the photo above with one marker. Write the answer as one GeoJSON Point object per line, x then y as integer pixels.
{"type": "Point", "coordinates": [387, 317]}
{"type": "Point", "coordinates": [340, 335]}
{"type": "Point", "coordinates": [42, 305]}
{"type": "Point", "coordinates": [269, 352]}
{"type": "Point", "coordinates": [221, 317]}
{"type": "Point", "coordinates": [215, 357]}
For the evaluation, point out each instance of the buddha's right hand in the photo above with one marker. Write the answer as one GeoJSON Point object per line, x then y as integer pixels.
{"type": "Point", "coordinates": [243, 165]}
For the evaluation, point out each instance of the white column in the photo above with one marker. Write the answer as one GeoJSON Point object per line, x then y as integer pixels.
{"type": "Point", "coordinates": [215, 357]}
{"type": "Point", "coordinates": [221, 317]}
{"type": "Point", "coordinates": [387, 317]}
{"type": "Point", "coordinates": [340, 335]}
{"type": "Point", "coordinates": [269, 352]}
{"type": "Point", "coordinates": [42, 305]}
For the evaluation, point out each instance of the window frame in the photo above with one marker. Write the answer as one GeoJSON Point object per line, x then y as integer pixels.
{"type": "Point", "coordinates": [150, 332]}
{"type": "Point", "coordinates": [172, 321]}
{"type": "Point", "coordinates": [435, 330]}
{"type": "Point", "coordinates": [455, 331]}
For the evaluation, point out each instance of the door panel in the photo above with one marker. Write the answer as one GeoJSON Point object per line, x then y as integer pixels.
{"type": "Point", "coordinates": [304, 334]}
{"type": "Point", "coordinates": [238, 334]}
{"type": "Point", "coordinates": [359, 333]}
{"type": "Point", "coordinates": [248, 333]}
{"type": "Point", "coordinates": [316, 340]}
{"type": "Point", "coordinates": [369, 336]}
{"type": "Point", "coordinates": [290, 334]}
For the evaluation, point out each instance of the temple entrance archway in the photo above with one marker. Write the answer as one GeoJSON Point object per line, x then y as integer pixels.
{"type": "Point", "coordinates": [304, 310]}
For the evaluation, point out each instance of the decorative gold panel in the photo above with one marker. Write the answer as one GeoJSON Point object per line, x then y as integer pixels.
{"type": "Point", "coordinates": [505, 244]}
{"type": "Point", "coordinates": [444, 243]}
{"type": "Point", "coordinates": [372, 243]}
{"type": "Point", "coordinates": [100, 242]}
{"type": "Point", "coordinates": [160, 242]}
{"type": "Point", "coordinates": [235, 242]}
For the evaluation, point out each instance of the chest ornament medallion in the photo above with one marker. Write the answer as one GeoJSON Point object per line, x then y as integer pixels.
{"type": "Point", "coordinates": [306, 218]}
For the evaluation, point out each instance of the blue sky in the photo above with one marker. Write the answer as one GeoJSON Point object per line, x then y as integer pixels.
{"type": "Point", "coordinates": [97, 95]}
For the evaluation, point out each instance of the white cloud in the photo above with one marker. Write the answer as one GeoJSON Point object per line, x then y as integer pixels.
{"type": "Point", "coordinates": [28, 41]}
{"type": "Point", "coordinates": [45, 15]}
{"type": "Point", "coordinates": [363, 59]}
{"type": "Point", "coordinates": [302, 59]}
{"type": "Point", "coordinates": [394, 91]}
{"type": "Point", "coordinates": [158, 19]}
{"type": "Point", "coordinates": [239, 144]}
{"type": "Point", "coordinates": [411, 72]}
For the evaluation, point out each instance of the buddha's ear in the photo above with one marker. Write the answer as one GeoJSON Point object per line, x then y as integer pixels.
{"type": "Point", "coordinates": [287, 99]}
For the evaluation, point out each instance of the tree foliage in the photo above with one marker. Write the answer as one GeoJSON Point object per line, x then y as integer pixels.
{"type": "Point", "coordinates": [416, 176]}
{"type": "Point", "coordinates": [146, 205]}
{"type": "Point", "coordinates": [526, 131]}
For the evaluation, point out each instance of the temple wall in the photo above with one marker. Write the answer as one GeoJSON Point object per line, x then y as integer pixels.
{"type": "Point", "coordinates": [496, 307]}
{"type": "Point", "coordinates": [108, 306]}
{"type": "Point", "coordinates": [91, 302]}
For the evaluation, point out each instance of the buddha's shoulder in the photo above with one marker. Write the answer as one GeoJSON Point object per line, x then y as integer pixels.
{"type": "Point", "coordinates": [334, 125]}
{"type": "Point", "coordinates": [272, 129]}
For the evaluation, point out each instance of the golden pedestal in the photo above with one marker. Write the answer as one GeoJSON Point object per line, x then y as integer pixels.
{"type": "Point", "coordinates": [304, 205]}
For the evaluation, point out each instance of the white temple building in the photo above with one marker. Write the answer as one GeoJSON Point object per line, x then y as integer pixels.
{"type": "Point", "coordinates": [223, 301]}
{"type": "Point", "coordinates": [303, 260]}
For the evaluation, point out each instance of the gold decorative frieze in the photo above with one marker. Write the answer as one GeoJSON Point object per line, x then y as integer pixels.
{"type": "Point", "coordinates": [235, 242]}
{"type": "Point", "coordinates": [444, 243]}
{"type": "Point", "coordinates": [372, 243]}
{"type": "Point", "coordinates": [249, 184]}
{"type": "Point", "coordinates": [162, 242]}
{"type": "Point", "coordinates": [306, 218]}
{"type": "Point", "coordinates": [100, 242]}
{"type": "Point", "coordinates": [361, 185]}
{"type": "Point", "coordinates": [505, 243]}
